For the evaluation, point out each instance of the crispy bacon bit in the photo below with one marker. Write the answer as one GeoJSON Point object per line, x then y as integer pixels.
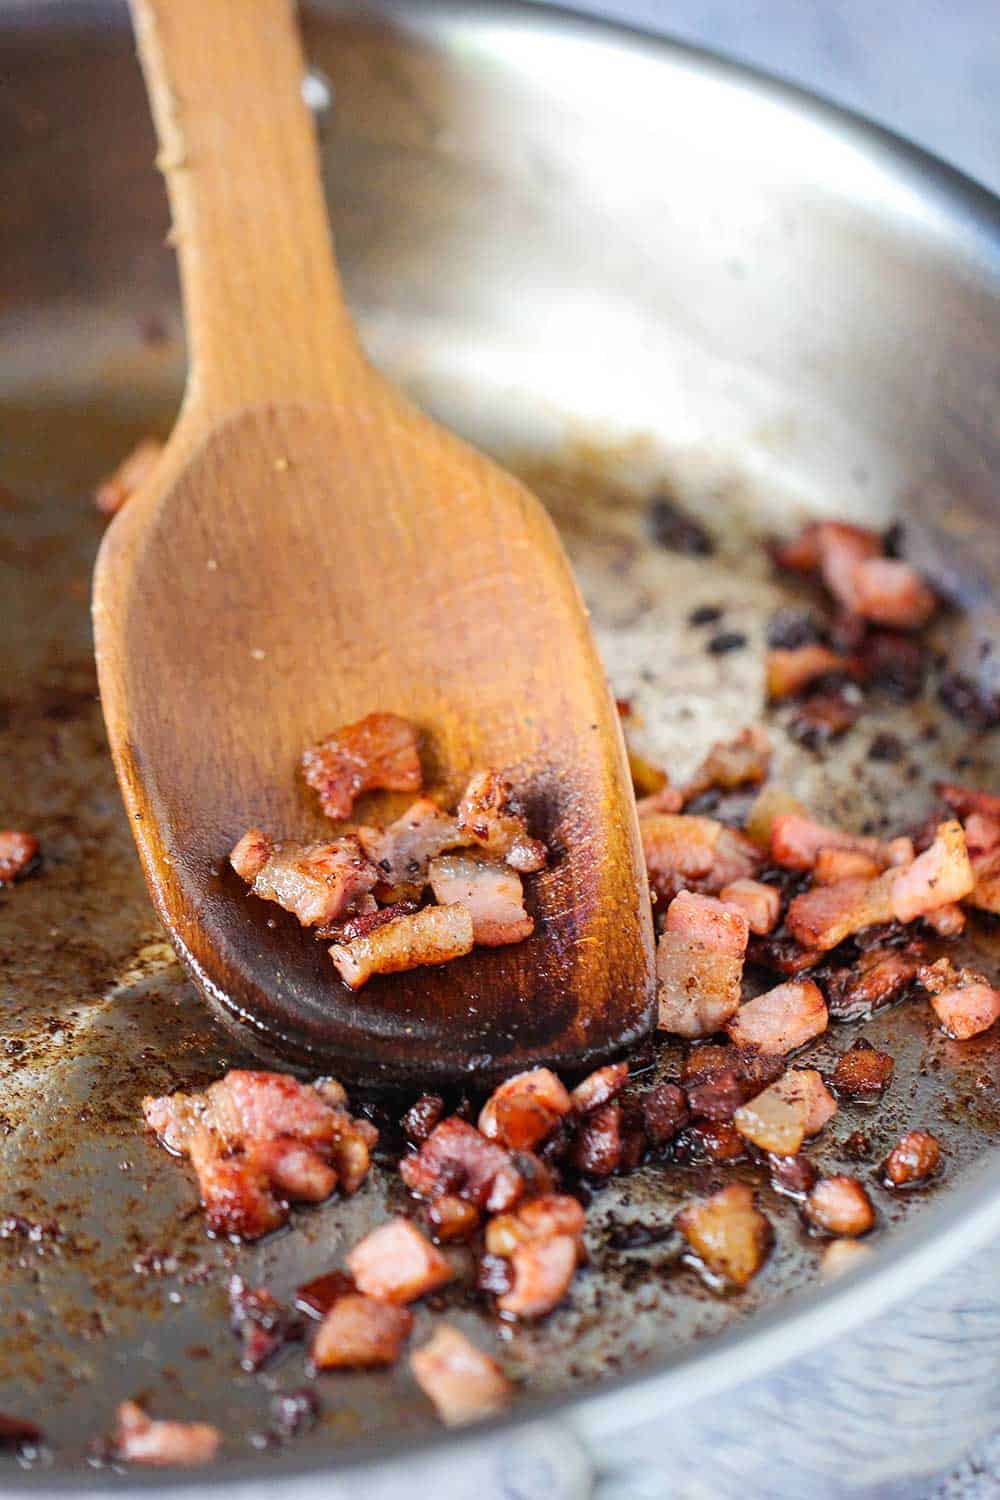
{"type": "Point", "coordinates": [489, 815]}
{"type": "Point", "coordinates": [421, 1118]}
{"type": "Point", "coordinates": [367, 917]}
{"type": "Point", "coordinates": [823, 917]}
{"type": "Point", "coordinates": [716, 1097]}
{"type": "Point", "coordinates": [710, 1141]}
{"type": "Point", "coordinates": [889, 592]}
{"type": "Point", "coordinates": [728, 1233]}
{"type": "Point", "coordinates": [141, 1440]}
{"type": "Point", "coordinates": [598, 1087]}
{"type": "Point", "coordinates": [782, 1019]}
{"type": "Point", "coordinates": [789, 671]}
{"type": "Point", "coordinates": [597, 1149]}
{"type": "Point", "coordinates": [317, 883]}
{"type": "Point", "coordinates": [841, 1256]}
{"type": "Point", "coordinates": [360, 1333]}
{"type": "Point", "coordinates": [377, 752]}
{"type": "Point", "coordinates": [316, 1297]}
{"type": "Point", "coordinates": [256, 1139]}
{"type": "Point", "coordinates": [825, 716]}
{"type": "Point", "coordinates": [260, 1322]}
{"type": "Point", "coordinates": [963, 1001]}
{"type": "Point", "coordinates": [699, 963]}
{"type": "Point", "coordinates": [779, 1119]}
{"type": "Point", "coordinates": [894, 663]}
{"type": "Point", "coordinates": [664, 1112]}
{"type": "Point", "coordinates": [877, 978]}
{"type": "Point", "coordinates": [793, 1176]}
{"type": "Point", "coordinates": [743, 761]}
{"type": "Point", "coordinates": [939, 876]}
{"type": "Point", "coordinates": [402, 852]}
{"type": "Point", "coordinates": [464, 1384]}
{"type": "Point", "coordinates": [913, 1158]}
{"type": "Point", "coordinates": [754, 1068]}
{"type": "Point", "coordinates": [434, 935]}
{"type": "Point", "coordinates": [18, 852]}
{"type": "Point", "coordinates": [455, 1158]}
{"type": "Point", "coordinates": [492, 893]}
{"type": "Point", "coordinates": [133, 472]}
{"type": "Point", "coordinates": [540, 1219]}
{"type": "Point", "coordinates": [862, 1072]}
{"type": "Point", "coordinates": [683, 850]}
{"type": "Point", "coordinates": [835, 865]}
{"type": "Point", "coordinates": [396, 1263]}
{"type": "Point", "coordinates": [796, 842]}
{"type": "Point", "coordinates": [524, 1109]}
{"type": "Point", "coordinates": [966, 800]}
{"type": "Point", "coordinates": [542, 1272]}
{"type": "Point", "coordinates": [770, 803]}
{"type": "Point", "coordinates": [948, 921]}
{"type": "Point", "coordinates": [840, 1206]}
{"type": "Point", "coordinates": [667, 800]}
{"type": "Point", "coordinates": [759, 903]}
{"type": "Point", "coordinates": [452, 1218]}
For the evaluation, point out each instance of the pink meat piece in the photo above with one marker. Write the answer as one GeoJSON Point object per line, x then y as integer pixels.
{"type": "Point", "coordinates": [669, 799]}
{"type": "Point", "coordinates": [402, 852]}
{"type": "Point", "coordinates": [293, 1170]}
{"type": "Point", "coordinates": [489, 815]}
{"type": "Point", "coordinates": [699, 964]}
{"type": "Point", "coordinates": [728, 1233]}
{"type": "Point", "coordinates": [141, 1440]}
{"type": "Point", "coordinates": [842, 549]}
{"type": "Point", "coordinates": [317, 883]}
{"type": "Point", "coordinates": [396, 1263]}
{"type": "Point", "coordinates": [778, 1120]}
{"type": "Point", "coordinates": [434, 935]}
{"type": "Point", "coordinates": [709, 923]}
{"type": "Point", "coordinates": [464, 1384]}
{"type": "Point", "coordinates": [782, 1019]}
{"type": "Point", "coordinates": [524, 1109]}
{"type": "Point", "coordinates": [542, 1272]}
{"type": "Point", "coordinates": [796, 842]}
{"type": "Point", "coordinates": [360, 1333]}
{"type": "Point", "coordinates": [889, 592]}
{"type": "Point", "coordinates": [455, 1158]}
{"type": "Point", "coordinates": [840, 1206]}
{"type": "Point", "coordinates": [684, 850]}
{"type": "Point", "coordinates": [834, 865]}
{"type": "Point", "coordinates": [790, 669]}
{"type": "Point", "coordinates": [823, 917]}
{"type": "Point", "coordinates": [599, 1087]}
{"type": "Point", "coordinates": [937, 877]}
{"type": "Point", "coordinates": [17, 852]}
{"type": "Point", "coordinates": [985, 894]}
{"type": "Point", "coordinates": [760, 904]}
{"type": "Point", "coordinates": [492, 893]}
{"type": "Point", "coordinates": [743, 761]}
{"type": "Point", "coordinates": [968, 1009]}
{"type": "Point", "coordinates": [379, 751]}
{"type": "Point", "coordinates": [982, 833]}
{"type": "Point", "coordinates": [948, 921]}
{"type": "Point", "coordinates": [965, 800]}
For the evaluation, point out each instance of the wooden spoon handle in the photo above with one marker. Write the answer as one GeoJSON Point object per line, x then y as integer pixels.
{"type": "Point", "coordinates": [264, 311]}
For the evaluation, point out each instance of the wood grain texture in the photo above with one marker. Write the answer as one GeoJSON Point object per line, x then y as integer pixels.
{"type": "Point", "coordinates": [313, 548]}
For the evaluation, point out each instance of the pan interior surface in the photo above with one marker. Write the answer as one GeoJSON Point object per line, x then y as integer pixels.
{"type": "Point", "coordinates": [630, 273]}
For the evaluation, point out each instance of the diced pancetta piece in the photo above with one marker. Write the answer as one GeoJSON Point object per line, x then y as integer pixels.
{"type": "Point", "coordinates": [464, 1384]}
{"type": "Point", "coordinates": [842, 1256]}
{"type": "Point", "coordinates": [524, 1109]}
{"type": "Point", "coordinates": [293, 1170]}
{"type": "Point", "coordinates": [840, 1206]}
{"type": "Point", "coordinates": [18, 852]}
{"type": "Point", "coordinates": [366, 917]}
{"type": "Point", "coordinates": [877, 978]}
{"type": "Point", "coordinates": [782, 1019]}
{"type": "Point", "coordinates": [862, 1072]}
{"type": "Point", "coordinates": [542, 1271]}
{"type": "Point", "coordinates": [133, 472]}
{"type": "Point", "coordinates": [743, 761]}
{"type": "Point", "coordinates": [492, 893]}
{"type": "Point", "coordinates": [139, 1439]}
{"type": "Point", "coordinates": [982, 833]}
{"type": "Point", "coordinates": [396, 1263]}
{"type": "Point", "coordinates": [823, 917]}
{"type": "Point", "coordinates": [455, 1158]}
{"type": "Point", "coordinates": [771, 802]}
{"type": "Point", "coordinates": [699, 964]}
{"type": "Point", "coordinates": [361, 1333]}
{"type": "Point", "coordinates": [489, 815]}
{"type": "Point", "coordinates": [263, 1326]}
{"type": "Point", "coordinates": [966, 800]}
{"type": "Point", "coordinates": [378, 752]}
{"type": "Point", "coordinates": [779, 1119]}
{"type": "Point", "coordinates": [254, 1104]}
{"type": "Point", "coordinates": [835, 865]}
{"type": "Point", "coordinates": [792, 1176]}
{"type": "Point", "coordinates": [434, 935]}
{"type": "Point", "coordinates": [668, 799]}
{"type": "Point", "coordinates": [598, 1146]}
{"type": "Point", "coordinates": [683, 850]}
{"type": "Point", "coordinates": [709, 1140]}
{"type": "Point", "coordinates": [235, 1193]}
{"type": "Point", "coordinates": [451, 1218]}
{"type": "Point", "coordinates": [937, 877]}
{"type": "Point", "coordinates": [317, 883]}
{"type": "Point", "coordinates": [963, 1001]}
{"type": "Point", "coordinates": [790, 669]}
{"type": "Point", "coordinates": [539, 1219]}
{"type": "Point", "coordinates": [728, 1233]}
{"type": "Point", "coordinates": [889, 592]}
{"type": "Point", "coordinates": [842, 548]}
{"type": "Point", "coordinates": [422, 1116]}
{"type": "Point", "coordinates": [796, 841]}
{"type": "Point", "coordinates": [664, 1112]}
{"type": "Point", "coordinates": [948, 921]}
{"type": "Point", "coordinates": [402, 852]}
{"type": "Point", "coordinates": [759, 903]}
{"type": "Point", "coordinates": [985, 895]}
{"type": "Point", "coordinates": [914, 1158]}
{"type": "Point", "coordinates": [598, 1087]}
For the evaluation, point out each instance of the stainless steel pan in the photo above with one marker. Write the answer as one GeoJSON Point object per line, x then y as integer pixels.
{"type": "Point", "coordinates": [623, 266]}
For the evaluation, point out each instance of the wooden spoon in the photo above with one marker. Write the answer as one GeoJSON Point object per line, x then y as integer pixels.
{"type": "Point", "coordinates": [312, 548]}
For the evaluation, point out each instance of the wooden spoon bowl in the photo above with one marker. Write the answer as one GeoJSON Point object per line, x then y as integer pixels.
{"type": "Point", "coordinates": [310, 549]}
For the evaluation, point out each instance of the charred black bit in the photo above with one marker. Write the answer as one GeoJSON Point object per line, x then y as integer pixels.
{"type": "Point", "coordinates": [857, 1146]}
{"type": "Point", "coordinates": [965, 700]}
{"type": "Point", "coordinates": [726, 641]}
{"type": "Point", "coordinates": [716, 1097]}
{"type": "Point", "coordinates": [316, 1297]}
{"type": "Point", "coordinates": [636, 1235]}
{"type": "Point", "coordinates": [887, 747]}
{"type": "Point", "coordinates": [261, 1322]}
{"type": "Point", "coordinates": [705, 614]}
{"type": "Point", "coordinates": [793, 1176]}
{"type": "Point", "coordinates": [17, 1431]}
{"type": "Point", "coordinates": [895, 663]}
{"type": "Point", "coordinates": [825, 716]}
{"type": "Point", "coordinates": [788, 628]}
{"type": "Point", "coordinates": [421, 1118]}
{"type": "Point", "coordinates": [672, 528]}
